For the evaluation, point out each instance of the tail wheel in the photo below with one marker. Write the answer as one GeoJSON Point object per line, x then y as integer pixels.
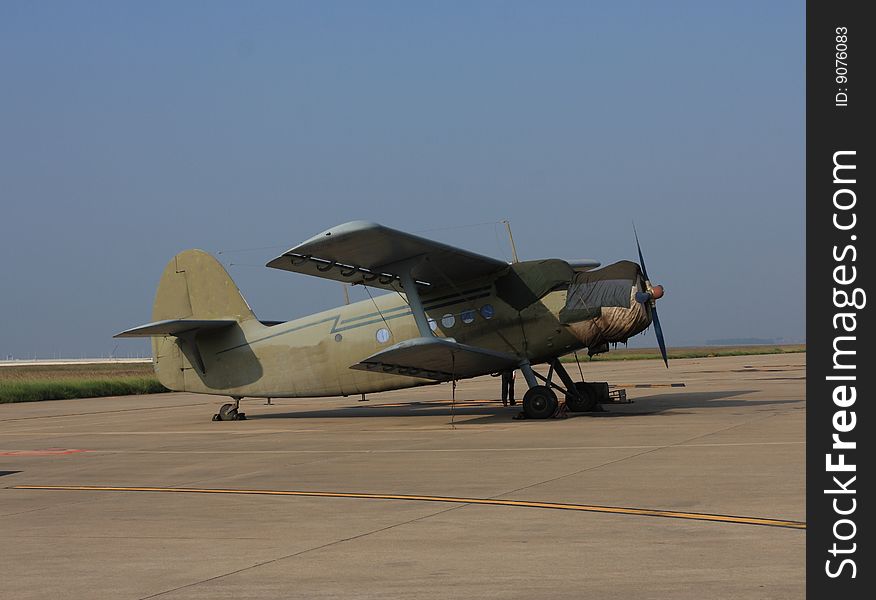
{"type": "Point", "coordinates": [583, 400]}
{"type": "Point", "coordinates": [229, 412]}
{"type": "Point", "coordinates": [539, 402]}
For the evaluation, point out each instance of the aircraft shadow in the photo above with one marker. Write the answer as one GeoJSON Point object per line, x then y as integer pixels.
{"type": "Point", "coordinates": [413, 409]}
{"type": "Point", "coordinates": [676, 403]}
{"type": "Point", "coordinates": [486, 412]}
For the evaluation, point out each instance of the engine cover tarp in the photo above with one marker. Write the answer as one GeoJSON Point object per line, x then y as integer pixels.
{"type": "Point", "coordinates": [591, 290]}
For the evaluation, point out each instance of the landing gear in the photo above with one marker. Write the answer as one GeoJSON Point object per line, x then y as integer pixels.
{"type": "Point", "coordinates": [539, 402]}
{"type": "Point", "coordinates": [230, 412]}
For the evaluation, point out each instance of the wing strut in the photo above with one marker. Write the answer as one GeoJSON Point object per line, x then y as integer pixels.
{"type": "Point", "coordinates": [413, 294]}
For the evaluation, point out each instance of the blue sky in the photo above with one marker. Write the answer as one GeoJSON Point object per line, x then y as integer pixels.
{"type": "Point", "coordinates": [131, 131]}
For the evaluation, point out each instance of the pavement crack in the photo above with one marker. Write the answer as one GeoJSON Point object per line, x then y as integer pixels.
{"type": "Point", "coordinates": [305, 551]}
{"type": "Point", "coordinates": [635, 455]}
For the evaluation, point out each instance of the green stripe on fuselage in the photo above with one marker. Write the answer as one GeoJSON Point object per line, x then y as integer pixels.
{"type": "Point", "coordinates": [380, 316]}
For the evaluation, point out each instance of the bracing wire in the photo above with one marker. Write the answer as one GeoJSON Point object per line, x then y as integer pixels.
{"type": "Point", "coordinates": [461, 295]}
{"type": "Point", "coordinates": [450, 282]}
{"type": "Point", "coordinates": [236, 250]}
{"type": "Point", "coordinates": [379, 312]}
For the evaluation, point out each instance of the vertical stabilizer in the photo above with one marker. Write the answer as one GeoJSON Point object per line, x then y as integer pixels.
{"type": "Point", "coordinates": [194, 285]}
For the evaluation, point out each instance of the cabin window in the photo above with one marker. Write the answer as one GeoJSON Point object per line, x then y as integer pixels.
{"type": "Point", "coordinates": [448, 321]}
{"type": "Point", "coordinates": [338, 337]}
{"type": "Point", "coordinates": [383, 335]}
{"type": "Point", "coordinates": [468, 316]}
{"type": "Point", "coordinates": [487, 311]}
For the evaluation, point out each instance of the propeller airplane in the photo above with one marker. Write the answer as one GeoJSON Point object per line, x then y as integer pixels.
{"type": "Point", "coordinates": [454, 315]}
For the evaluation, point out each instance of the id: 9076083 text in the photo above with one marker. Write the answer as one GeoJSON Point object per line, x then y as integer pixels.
{"type": "Point", "coordinates": [842, 66]}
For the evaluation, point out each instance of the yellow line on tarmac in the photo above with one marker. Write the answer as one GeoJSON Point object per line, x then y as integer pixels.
{"type": "Point", "coordinates": [646, 512]}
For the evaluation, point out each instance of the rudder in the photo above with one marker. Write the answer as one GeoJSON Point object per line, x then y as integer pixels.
{"type": "Point", "coordinates": [195, 285]}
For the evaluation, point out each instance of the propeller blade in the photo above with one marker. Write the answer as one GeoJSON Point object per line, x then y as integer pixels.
{"type": "Point", "coordinates": [641, 258]}
{"type": "Point", "coordinates": [658, 330]}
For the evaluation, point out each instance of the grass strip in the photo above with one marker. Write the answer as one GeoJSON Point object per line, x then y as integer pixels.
{"type": "Point", "coordinates": [60, 389]}
{"type": "Point", "coordinates": [704, 352]}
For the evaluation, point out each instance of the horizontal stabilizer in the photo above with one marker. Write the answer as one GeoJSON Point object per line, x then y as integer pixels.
{"type": "Point", "coordinates": [176, 327]}
{"type": "Point", "coordinates": [436, 358]}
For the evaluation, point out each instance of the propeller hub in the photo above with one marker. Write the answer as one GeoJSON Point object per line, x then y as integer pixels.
{"type": "Point", "coordinates": [654, 292]}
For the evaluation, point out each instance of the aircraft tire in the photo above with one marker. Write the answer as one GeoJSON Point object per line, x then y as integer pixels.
{"type": "Point", "coordinates": [539, 402]}
{"type": "Point", "coordinates": [227, 413]}
{"type": "Point", "coordinates": [584, 401]}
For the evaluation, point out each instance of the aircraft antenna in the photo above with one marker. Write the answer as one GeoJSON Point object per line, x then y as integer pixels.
{"type": "Point", "coordinates": [511, 237]}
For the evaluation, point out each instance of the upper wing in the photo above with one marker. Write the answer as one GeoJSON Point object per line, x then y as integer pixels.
{"type": "Point", "coordinates": [360, 252]}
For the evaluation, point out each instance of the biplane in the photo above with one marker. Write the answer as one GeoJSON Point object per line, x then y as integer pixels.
{"type": "Point", "coordinates": [451, 314]}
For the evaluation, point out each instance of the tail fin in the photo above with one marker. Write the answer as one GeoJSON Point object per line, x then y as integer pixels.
{"type": "Point", "coordinates": [195, 285]}
{"type": "Point", "coordinates": [197, 307]}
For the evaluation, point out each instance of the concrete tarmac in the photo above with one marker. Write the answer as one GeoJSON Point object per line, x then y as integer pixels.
{"type": "Point", "coordinates": [729, 443]}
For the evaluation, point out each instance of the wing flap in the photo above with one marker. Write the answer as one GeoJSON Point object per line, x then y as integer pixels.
{"type": "Point", "coordinates": [361, 252]}
{"type": "Point", "coordinates": [439, 359]}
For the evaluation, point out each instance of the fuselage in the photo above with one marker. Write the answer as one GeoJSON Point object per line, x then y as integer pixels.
{"type": "Point", "coordinates": [311, 356]}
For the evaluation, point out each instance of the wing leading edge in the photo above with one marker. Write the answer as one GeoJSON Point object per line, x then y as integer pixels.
{"type": "Point", "coordinates": [360, 252]}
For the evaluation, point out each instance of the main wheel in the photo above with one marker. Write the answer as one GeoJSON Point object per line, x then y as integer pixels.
{"type": "Point", "coordinates": [584, 400]}
{"type": "Point", "coordinates": [539, 402]}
